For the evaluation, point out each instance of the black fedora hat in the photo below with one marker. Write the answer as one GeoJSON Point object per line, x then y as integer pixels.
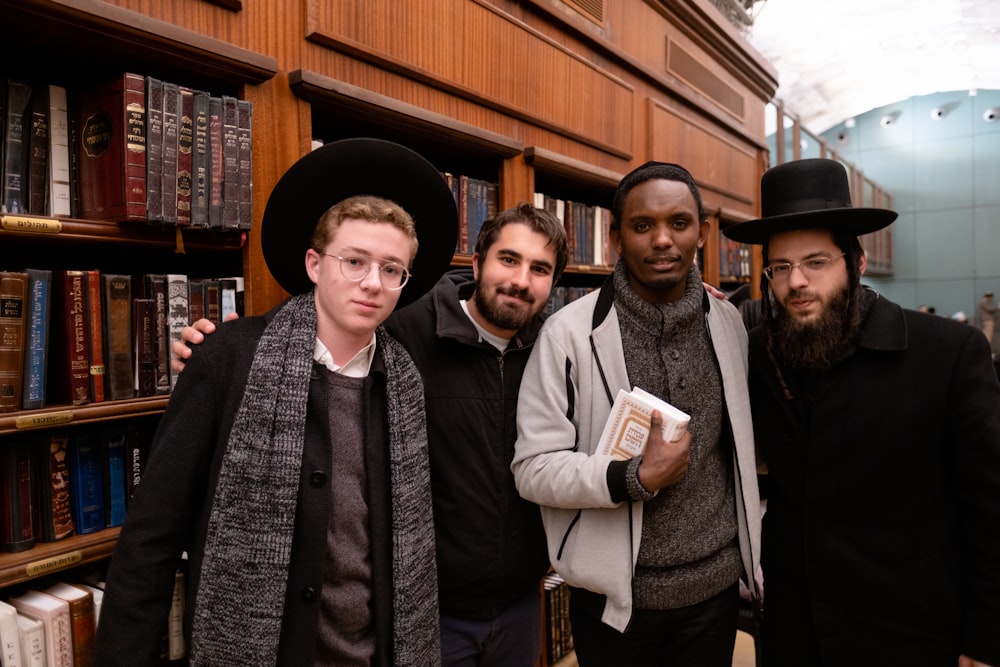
{"type": "Point", "coordinates": [359, 166]}
{"type": "Point", "coordinates": [806, 194]}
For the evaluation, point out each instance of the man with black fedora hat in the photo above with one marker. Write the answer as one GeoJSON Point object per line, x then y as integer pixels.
{"type": "Point", "coordinates": [880, 428]}
{"type": "Point", "coordinates": [291, 462]}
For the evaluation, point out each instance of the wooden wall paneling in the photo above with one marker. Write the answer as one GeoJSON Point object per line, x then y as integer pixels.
{"type": "Point", "coordinates": [501, 64]}
{"type": "Point", "coordinates": [282, 133]}
{"type": "Point", "coordinates": [725, 168]}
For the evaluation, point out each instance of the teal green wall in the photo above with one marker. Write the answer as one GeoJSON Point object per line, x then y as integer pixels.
{"type": "Point", "coordinates": [944, 177]}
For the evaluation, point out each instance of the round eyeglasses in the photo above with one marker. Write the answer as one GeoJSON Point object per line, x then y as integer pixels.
{"type": "Point", "coordinates": [809, 267]}
{"type": "Point", "coordinates": [355, 267]}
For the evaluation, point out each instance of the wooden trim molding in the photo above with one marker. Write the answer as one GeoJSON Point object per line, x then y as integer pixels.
{"type": "Point", "coordinates": [323, 90]}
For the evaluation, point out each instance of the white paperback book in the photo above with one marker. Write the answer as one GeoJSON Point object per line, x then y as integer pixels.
{"type": "Point", "coordinates": [627, 429]}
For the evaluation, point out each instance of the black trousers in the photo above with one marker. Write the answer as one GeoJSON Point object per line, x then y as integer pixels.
{"type": "Point", "coordinates": [701, 635]}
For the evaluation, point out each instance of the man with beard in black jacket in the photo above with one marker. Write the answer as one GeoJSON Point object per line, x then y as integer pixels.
{"type": "Point", "coordinates": [470, 338]}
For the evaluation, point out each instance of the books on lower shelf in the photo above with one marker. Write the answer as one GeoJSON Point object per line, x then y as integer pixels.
{"type": "Point", "coordinates": [55, 617]}
{"type": "Point", "coordinates": [627, 428]}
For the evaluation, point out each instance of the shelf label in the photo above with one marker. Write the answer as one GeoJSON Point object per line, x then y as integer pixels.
{"type": "Point", "coordinates": [44, 419]}
{"type": "Point", "coordinates": [19, 223]}
{"type": "Point", "coordinates": [60, 562]}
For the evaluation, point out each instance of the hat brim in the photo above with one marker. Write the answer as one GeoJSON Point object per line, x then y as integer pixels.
{"type": "Point", "coordinates": [350, 167]}
{"type": "Point", "coordinates": [856, 221]}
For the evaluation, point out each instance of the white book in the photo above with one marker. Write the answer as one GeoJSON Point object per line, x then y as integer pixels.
{"type": "Point", "coordinates": [625, 433]}
{"type": "Point", "coordinates": [54, 614]}
{"type": "Point", "coordinates": [32, 641]}
{"type": "Point", "coordinates": [59, 195]}
{"type": "Point", "coordinates": [10, 637]}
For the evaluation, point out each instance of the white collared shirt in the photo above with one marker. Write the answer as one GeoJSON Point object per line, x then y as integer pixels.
{"type": "Point", "coordinates": [358, 367]}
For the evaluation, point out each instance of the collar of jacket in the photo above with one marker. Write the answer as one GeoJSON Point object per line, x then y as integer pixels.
{"type": "Point", "coordinates": [884, 326]}
{"type": "Point", "coordinates": [606, 299]}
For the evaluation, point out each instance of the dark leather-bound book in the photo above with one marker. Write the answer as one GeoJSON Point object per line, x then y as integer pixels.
{"type": "Point", "coordinates": [185, 159]}
{"type": "Point", "coordinates": [116, 298]}
{"type": "Point", "coordinates": [213, 300]}
{"type": "Point", "coordinates": [215, 143]}
{"type": "Point", "coordinates": [112, 150]}
{"type": "Point", "coordinates": [201, 178]}
{"type": "Point", "coordinates": [245, 163]}
{"type": "Point", "coordinates": [16, 529]}
{"type": "Point", "coordinates": [53, 519]}
{"type": "Point", "coordinates": [13, 309]}
{"type": "Point", "coordinates": [17, 106]}
{"type": "Point", "coordinates": [69, 370]}
{"type": "Point", "coordinates": [38, 306]}
{"type": "Point", "coordinates": [156, 289]}
{"type": "Point", "coordinates": [144, 335]}
{"type": "Point", "coordinates": [154, 149]}
{"type": "Point", "coordinates": [230, 163]}
{"type": "Point", "coordinates": [168, 178]}
{"type": "Point", "coordinates": [196, 299]}
{"type": "Point", "coordinates": [38, 152]}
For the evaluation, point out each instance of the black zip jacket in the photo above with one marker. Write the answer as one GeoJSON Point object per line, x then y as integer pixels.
{"type": "Point", "coordinates": [491, 547]}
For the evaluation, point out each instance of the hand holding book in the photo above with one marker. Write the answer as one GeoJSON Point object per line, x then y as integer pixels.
{"type": "Point", "coordinates": [664, 462]}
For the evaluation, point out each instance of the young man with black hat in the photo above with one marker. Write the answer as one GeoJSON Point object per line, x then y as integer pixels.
{"type": "Point", "coordinates": [470, 337]}
{"type": "Point", "coordinates": [653, 546]}
{"type": "Point", "coordinates": [291, 462]}
{"type": "Point", "coordinates": [880, 428]}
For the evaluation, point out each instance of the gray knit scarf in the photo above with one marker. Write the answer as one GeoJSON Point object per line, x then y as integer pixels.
{"type": "Point", "coordinates": [240, 601]}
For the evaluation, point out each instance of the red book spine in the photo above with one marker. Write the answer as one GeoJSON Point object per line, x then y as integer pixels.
{"type": "Point", "coordinates": [112, 156]}
{"type": "Point", "coordinates": [72, 370]}
{"type": "Point", "coordinates": [94, 322]}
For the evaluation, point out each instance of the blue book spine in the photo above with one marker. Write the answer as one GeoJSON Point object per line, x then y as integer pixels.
{"type": "Point", "coordinates": [114, 452]}
{"type": "Point", "coordinates": [86, 482]}
{"type": "Point", "coordinates": [36, 357]}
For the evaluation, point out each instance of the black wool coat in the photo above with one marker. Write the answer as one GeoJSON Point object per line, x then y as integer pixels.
{"type": "Point", "coordinates": [881, 541]}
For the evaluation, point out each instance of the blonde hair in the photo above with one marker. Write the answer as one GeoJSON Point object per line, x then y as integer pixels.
{"type": "Point", "coordinates": [370, 209]}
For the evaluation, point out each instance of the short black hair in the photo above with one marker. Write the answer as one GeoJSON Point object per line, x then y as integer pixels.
{"type": "Point", "coordinates": [667, 171]}
{"type": "Point", "coordinates": [538, 220]}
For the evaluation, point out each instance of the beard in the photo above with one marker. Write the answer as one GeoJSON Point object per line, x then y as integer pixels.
{"type": "Point", "coordinates": [816, 345]}
{"type": "Point", "coordinates": [502, 315]}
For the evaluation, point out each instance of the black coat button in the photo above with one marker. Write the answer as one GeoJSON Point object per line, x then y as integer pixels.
{"type": "Point", "coordinates": [308, 593]}
{"type": "Point", "coordinates": [317, 478]}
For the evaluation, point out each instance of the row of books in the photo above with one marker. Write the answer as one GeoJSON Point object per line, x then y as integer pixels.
{"type": "Point", "coordinates": [587, 229]}
{"type": "Point", "coordinates": [477, 201]}
{"type": "Point", "coordinates": [86, 336]}
{"type": "Point", "coordinates": [555, 615]}
{"type": "Point", "coordinates": [734, 259]}
{"type": "Point", "coordinates": [134, 148]}
{"type": "Point", "coordinates": [54, 624]}
{"type": "Point", "coordinates": [66, 482]}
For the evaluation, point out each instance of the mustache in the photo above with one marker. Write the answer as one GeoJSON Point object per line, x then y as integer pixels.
{"type": "Point", "coordinates": [522, 294]}
{"type": "Point", "coordinates": [659, 259]}
{"type": "Point", "coordinates": [800, 294]}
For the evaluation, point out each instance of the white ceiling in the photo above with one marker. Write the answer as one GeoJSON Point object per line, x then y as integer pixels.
{"type": "Point", "coordinates": [837, 59]}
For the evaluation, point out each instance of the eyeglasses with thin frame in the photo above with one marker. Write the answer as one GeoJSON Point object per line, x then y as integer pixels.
{"type": "Point", "coordinates": [809, 267]}
{"type": "Point", "coordinates": [355, 267]}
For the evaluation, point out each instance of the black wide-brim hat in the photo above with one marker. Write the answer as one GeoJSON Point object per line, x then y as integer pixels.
{"type": "Point", "coordinates": [808, 194]}
{"type": "Point", "coordinates": [350, 167]}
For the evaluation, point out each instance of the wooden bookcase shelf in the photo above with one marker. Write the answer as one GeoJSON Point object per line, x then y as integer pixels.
{"type": "Point", "coordinates": [58, 416]}
{"type": "Point", "coordinates": [53, 557]}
